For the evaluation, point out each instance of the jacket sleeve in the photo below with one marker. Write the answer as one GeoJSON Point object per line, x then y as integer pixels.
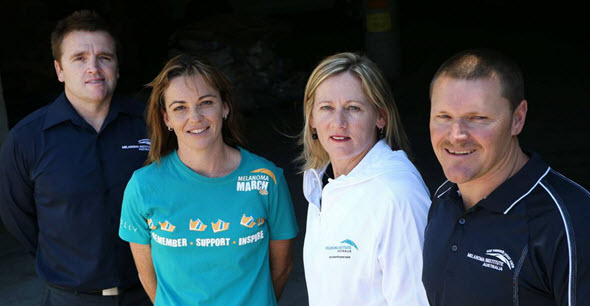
{"type": "Point", "coordinates": [400, 250]}
{"type": "Point", "coordinates": [17, 206]}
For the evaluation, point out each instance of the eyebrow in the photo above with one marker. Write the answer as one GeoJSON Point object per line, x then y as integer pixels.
{"type": "Point", "coordinates": [207, 96]}
{"type": "Point", "coordinates": [81, 53]}
{"type": "Point", "coordinates": [200, 98]}
{"type": "Point", "coordinates": [347, 101]}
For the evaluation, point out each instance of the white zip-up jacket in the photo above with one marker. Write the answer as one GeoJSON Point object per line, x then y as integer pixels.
{"type": "Point", "coordinates": [363, 244]}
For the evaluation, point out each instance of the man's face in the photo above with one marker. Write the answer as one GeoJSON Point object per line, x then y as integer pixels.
{"type": "Point", "coordinates": [88, 66]}
{"type": "Point", "coordinates": [472, 129]}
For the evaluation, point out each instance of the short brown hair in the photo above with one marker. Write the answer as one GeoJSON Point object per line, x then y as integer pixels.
{"type": "Point", "coordinates": [374, 85]}
{"type": "Point", "coordinates": [84, 20]}
{"type": "Point", "coordinates": [185, 65]}
{"type": "Point", "coordinates": [474, 64]}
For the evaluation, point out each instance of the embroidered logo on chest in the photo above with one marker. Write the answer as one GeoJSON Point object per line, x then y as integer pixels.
{"type": "Point", "coordinates": [496, 259]}
{"type": "Point", "coordinates": [142, 145]}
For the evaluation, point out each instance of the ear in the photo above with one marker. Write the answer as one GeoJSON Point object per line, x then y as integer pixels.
{"type": "Point", "coordinates": [58, 71]}
{"type": "Point", "coordinates": [382, 120]}
{"type": "Point", "coordinates": [518, 118]}
{"type": "Point", "coordinates": [165, 117]}
{"type": "Point", "coordinates": [225, 109]}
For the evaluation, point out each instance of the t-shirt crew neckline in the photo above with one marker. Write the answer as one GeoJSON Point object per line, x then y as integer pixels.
{"type": "Point", "coordinates": [214, 180]}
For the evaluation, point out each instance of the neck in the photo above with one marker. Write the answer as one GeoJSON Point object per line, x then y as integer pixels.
{"type": "Point", "coordinates": [344, 166]}
{"type": "Point", "coordinates": [217, 161]}
{"type": "Point", "coordinates": [93, 113]}
{"type": "Point", "coordinates": [474, 191]}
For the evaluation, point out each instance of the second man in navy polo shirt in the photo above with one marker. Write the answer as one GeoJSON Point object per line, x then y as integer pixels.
{"type": "Point", "coordinates": [505, 229]}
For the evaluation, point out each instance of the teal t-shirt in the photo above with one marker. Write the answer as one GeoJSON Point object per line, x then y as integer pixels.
{"type": "Point", "coordinates": [209, 236]}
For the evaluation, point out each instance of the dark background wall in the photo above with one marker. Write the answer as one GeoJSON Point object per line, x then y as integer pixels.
{"type": "Point", "coordinates": [549, 41]}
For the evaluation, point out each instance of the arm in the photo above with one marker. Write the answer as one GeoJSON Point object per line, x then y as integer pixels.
{"type": "Point", "coordinates": [142, 254]}
{"type": "Point", "coordinates": [400, 250]}
{"type": "Point", "coordinates": [17, 207]}
{"type": "Point", "coordinates": [281, 263]}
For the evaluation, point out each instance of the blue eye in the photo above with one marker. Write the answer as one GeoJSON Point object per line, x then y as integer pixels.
{"type": "Point", "coordinates": [353, 108]}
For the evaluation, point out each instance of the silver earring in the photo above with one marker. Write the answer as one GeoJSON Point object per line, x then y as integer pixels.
{"type": "Point", "coordinates": [170, 129]}
{"type": "Point", "coordinates": [224, 117]}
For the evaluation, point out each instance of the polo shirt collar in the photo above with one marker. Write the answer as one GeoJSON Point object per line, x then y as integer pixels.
{"type": "Point", "coordinates": [61, 110]}
{"type": "Point", "coordinates": [509, 193]}
{"type": "Point", "coordinates": [122, 106]}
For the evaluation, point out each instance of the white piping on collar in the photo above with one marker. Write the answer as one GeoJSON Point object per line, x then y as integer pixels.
{"type": "Point", "coordinates": [530, 190]}
{"type": "Point", "coordinates": [443, 191]}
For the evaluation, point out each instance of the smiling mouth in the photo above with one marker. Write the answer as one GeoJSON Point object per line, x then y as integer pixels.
{"type": "Point", "coordinates": [464, 152]}
{"type": "Point", "coordinates": [198, 131]}
{"type": "Point", "coordinates": [339, 138]}
{"type": "Point", "coordinates": [95, 81]}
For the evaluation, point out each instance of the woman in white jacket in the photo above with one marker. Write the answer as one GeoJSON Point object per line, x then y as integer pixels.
{"type": "Point", "coordinates": [367, 202]}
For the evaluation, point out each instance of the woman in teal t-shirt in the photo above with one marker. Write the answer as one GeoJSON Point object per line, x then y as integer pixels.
{"type": "Point", "coordinates": [207, 221]}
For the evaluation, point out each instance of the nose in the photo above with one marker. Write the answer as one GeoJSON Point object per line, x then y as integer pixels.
{"type": "Point", "coordinates": [458, 131]}
{"type": "Point", "coordinates": [92, 64]}
{"type": "Point", "coordinates": [195, 114]}
{"type": "Point", "coordinates": [340, 120]}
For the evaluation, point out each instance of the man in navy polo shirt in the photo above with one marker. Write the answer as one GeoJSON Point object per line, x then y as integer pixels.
{"type": "Point", "coordinates": [505, 229]}
{"type": "Point", "coordinates": [64, 167]}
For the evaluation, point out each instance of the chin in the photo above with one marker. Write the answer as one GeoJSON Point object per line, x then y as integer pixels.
{"type": "Point", "coordinates": [458, 176]}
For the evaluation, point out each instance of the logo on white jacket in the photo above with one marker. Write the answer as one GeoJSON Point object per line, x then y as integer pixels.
{"type": "Point", "coordinates": [343, 250]}
{"type": "Point", "coordinates": [495, 259]}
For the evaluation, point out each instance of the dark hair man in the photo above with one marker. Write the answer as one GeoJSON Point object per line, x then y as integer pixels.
{"type": "Point", "coordinates": [505, 229]}
{"type": "Point", "coordinates": [64, 167]}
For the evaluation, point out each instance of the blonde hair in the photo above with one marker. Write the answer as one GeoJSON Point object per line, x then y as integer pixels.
{"type": "Point", "coordinates": [375, 87]}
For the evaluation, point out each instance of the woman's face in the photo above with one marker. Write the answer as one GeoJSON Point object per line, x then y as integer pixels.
{"type": "Point", "coordinates": [344, 119]}
{"type": "Point", "coordinates": [195, 111]}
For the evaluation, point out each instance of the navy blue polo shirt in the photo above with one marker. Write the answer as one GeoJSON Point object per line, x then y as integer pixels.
{"type": "Point", "coordinates": [527, 243]}
{"type": "Point", "coordinates": [61, 185]}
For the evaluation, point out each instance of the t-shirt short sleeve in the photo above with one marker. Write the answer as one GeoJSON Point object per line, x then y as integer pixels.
{"type": "Point", "coordinates": [134, 226]}
{"type": "Point", "coordinates": [282, 223]}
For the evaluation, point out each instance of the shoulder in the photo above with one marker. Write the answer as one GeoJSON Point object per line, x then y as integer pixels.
{"type": "Point", "coordinates": [400, 189]}
{"type": "Point", "coordinates": [402, 176]}
{"type": "Point", "coordinates": [255, 162]}
{"type": "Point", "coordinates": [562, 198]}
{"type": "Point", "coordinates": [31, 124]}
{"type": "Point", "coordinates": [152, 173]}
